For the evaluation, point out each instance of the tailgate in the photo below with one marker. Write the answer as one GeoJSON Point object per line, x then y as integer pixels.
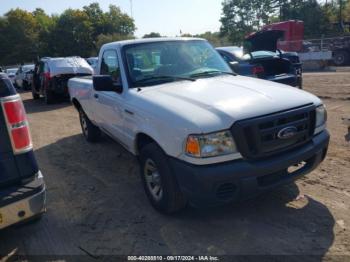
{"type": "Point", "coordinates": [13, 168]}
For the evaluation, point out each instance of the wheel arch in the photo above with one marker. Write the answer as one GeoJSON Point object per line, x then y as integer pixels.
{"type": "Point", "coordinates": [141, 140]}
{"type": "Point", "coordinates": [76, 103]}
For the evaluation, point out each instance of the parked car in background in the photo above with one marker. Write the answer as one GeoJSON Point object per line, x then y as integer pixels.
{"type": "Point", "coordinates": [51, 76]}
{"type": "Point", "coordinates": [11, 74]}
{"type": "Point", "coordinates": [263, 59]}
{"type": "Point", "coordinates": [24, 76]}
{"type": "Point", "coordinates": [93, 62]}
{"type": "Point", "coordinates": [22, 188]}
{"type": "Point", "coordinates": [202, 134]}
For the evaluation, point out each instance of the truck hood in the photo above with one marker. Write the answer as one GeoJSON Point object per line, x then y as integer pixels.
{"type": "Point", "coordinates": [263, 40]}
{"type": "Point", "coordinates": [216, 103]}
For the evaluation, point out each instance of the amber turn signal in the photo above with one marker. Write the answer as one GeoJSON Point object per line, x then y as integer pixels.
{"type": "Point", "coordinates": [193, 147]}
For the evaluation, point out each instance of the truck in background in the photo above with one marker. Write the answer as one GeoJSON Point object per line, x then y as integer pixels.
{"type": "Point", "coordinates": [322, 50]}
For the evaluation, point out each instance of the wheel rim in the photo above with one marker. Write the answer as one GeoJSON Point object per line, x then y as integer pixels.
{"type": "Point", "coordinates": [84, 126]}
{"type": "Point", "coordinates": [339, 59]}
{"type": "Point", "coordinates": [153, 179]}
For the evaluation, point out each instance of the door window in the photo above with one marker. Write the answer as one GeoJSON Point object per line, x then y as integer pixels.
{"type": "Point", "coordinates": [110, 65]}
{"type": "Point", "coordinates": [46, 68]}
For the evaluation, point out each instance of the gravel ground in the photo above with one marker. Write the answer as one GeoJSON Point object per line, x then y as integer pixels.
{"type": "Point", "coordinates": [96, 204]}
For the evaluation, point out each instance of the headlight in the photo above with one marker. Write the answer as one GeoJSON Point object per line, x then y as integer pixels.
{"type": "Point", "coordinates": [210, 145]}
{"type": "Point", "coordinates": [321, 119]}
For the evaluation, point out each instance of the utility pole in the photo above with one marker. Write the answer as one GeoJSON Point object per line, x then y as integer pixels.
{"type": "Point", "coordinates": [131, 9]}
{"type": "Point", "coordinates": [341, 22]}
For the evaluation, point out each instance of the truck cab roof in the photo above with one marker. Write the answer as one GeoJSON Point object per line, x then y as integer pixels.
{"type": "Point", "coordinates": [149, 40]}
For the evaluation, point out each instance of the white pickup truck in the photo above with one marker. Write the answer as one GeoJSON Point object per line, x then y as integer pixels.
{"type": "Point", "coordinates": [202, 134]}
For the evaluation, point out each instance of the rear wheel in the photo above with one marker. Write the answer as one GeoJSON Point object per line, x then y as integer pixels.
{"type": "Point", "coordinates": [340, 58]}
{"type": "Point", "coordinates": [25, 85]}
{"type": "Point", "coordinates": [35, 94]}
{"type": "Point", "coordinates": [159, 182]}
{"type": "Point", "coordinates": [91, 132]}
{"type": "Point", "coordinates": [49, 96]}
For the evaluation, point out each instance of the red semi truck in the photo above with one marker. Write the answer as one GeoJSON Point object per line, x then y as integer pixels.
{"type": "Point", "coordinates": [293, 41]}
{"type": "Point", "coordinates": [293, 35]}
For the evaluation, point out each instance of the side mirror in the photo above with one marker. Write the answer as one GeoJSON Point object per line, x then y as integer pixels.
{"type": "Point", "coordinates": [106, 83]}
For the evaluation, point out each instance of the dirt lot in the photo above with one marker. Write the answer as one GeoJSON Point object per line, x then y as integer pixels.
{"type": "Point", "coordinates": [96, 204]}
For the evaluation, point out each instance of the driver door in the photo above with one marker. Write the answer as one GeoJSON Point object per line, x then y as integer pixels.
{"type": "Point", "coordinates": [109, 104]}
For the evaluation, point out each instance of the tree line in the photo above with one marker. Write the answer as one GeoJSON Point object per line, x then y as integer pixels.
{"type": "Point", "coordinates": [24, 35]}
{"type": "Point", "coordinates": [326, 18]}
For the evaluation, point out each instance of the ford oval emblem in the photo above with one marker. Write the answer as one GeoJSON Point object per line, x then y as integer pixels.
{"type": "Point", "coordinates": [287, 132]}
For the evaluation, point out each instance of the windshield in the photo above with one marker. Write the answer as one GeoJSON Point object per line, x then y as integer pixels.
{"type": "Point", "coordinates": [27, 68]}
{"type": "Point", "coordinates": [158, 62]}
{"type": "Point", "coordinates": [11, 71]}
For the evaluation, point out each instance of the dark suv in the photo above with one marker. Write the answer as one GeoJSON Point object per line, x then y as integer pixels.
{"type": "Point", "coordinates": [22, 188]}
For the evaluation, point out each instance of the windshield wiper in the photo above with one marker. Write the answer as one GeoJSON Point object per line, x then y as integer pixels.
{"type": "Point", "coordinates": [162, 78]}
{"type": "Point", "coordinates": [213, 72]}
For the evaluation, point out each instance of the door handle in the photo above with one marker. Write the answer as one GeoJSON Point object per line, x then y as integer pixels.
{"type": "Point", "coordinates": [96, 96]}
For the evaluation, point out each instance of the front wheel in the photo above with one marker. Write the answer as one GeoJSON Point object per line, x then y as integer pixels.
{"type": "Point", "coordinates": [91, 132]}
{"type": "Point", "coordinates": [159, 182]}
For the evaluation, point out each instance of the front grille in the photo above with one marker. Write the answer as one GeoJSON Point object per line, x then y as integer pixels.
{"type": "Point", "coordinates": [258, 137]}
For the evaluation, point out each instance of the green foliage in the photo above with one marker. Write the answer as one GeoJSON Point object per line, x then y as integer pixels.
{"type": "Point", "coordinates": [241, 17]}
{"type": "Point", "coordinates": [72, 35]}
{"type": "Point", "coordinates": [215, 38]}
{"type": "Point", "coordinates": [108, 38]}
{"type": "Point", "coordinates": [151, 35]}
{"type": "Point", "coordinates": [19, 33]}
{"type": "Point", "coordinates": [24, 36]}
{"type": "Point", "coordinates": [311, 12]}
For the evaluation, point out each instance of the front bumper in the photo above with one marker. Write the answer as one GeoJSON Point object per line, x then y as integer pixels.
{"type": "Point", "coordinates": [21, 203]}
{"type": "Point", "coordinates": [243, 179]}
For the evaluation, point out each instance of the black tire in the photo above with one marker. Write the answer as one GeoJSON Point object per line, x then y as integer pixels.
{"type": "Point", "coordinates": [91, 132]}
{"type": "Point", "coordinates": [170, 198]}
{"type": "Point", "coordinates": [49, 97]}
{"type": "Point", "coordinates": [35, 95]}
{"type": "Point", "coordinates": [340, 58]}
{"type": "Point", "coordinates": [25, 85]}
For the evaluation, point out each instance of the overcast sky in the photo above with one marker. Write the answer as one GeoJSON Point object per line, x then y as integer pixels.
{"type": "Point", "coordinates": [167, 17]}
